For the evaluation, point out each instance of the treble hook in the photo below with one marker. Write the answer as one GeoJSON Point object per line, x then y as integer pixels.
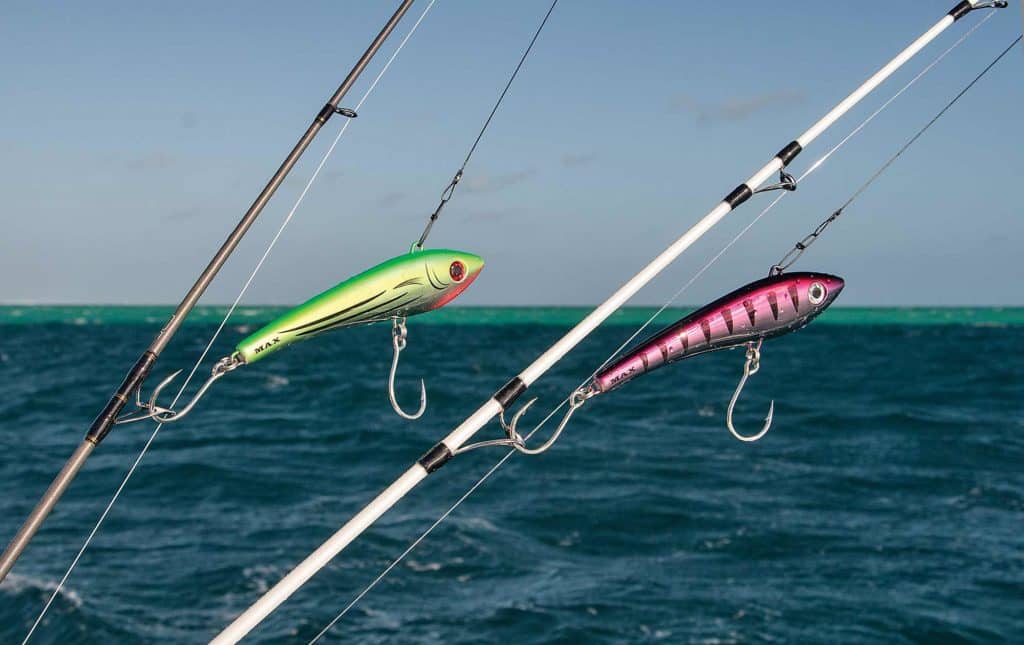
{"type": "Point", "coordinates": [398, 342]}
{"type": "Point", "coordinates": [166, 415]}
{"type": "Point", "coordinates": [749, 369]}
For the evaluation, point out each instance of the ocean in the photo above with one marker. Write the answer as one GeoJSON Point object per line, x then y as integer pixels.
{"type": "Point", "coordinates": [885, 505]}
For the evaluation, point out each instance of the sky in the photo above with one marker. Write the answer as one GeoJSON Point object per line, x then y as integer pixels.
{"type": "Point", "coordinates": [134, 135]}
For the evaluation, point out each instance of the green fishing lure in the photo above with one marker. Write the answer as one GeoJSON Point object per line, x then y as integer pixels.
{"type": "Point", "coordinates": [404, 286]}
{"type": "Point", "coordinates": [407, 285]}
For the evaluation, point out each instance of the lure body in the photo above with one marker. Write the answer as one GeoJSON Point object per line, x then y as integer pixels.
{"type": "Point", "coordinates": [403, 286]}
{"type": "Point", "coordinates": [769, 307]}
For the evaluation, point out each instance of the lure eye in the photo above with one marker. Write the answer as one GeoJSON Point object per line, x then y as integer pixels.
{"type": "Point", "coordinates": [816, 293]}
{"type": "Point", "coordinates": [457, 271]}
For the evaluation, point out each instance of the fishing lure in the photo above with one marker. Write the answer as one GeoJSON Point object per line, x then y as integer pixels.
{"type": "Point", "coordinates": [407, 285]}
{"type": "Point", "coordinates": [766, 308]}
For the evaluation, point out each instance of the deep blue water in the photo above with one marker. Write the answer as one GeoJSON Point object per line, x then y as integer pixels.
{"type": "Point", "coordinates": [886, 505]}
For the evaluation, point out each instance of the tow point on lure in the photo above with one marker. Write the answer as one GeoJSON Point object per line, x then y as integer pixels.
{"type": "Point", "coordinates": [407, 285]}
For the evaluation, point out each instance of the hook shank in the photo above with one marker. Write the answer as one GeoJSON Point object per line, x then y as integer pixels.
{"type": "Point", "coordinates": [398, 342]}
{"type": "Point", "coordinates": [752, 365]}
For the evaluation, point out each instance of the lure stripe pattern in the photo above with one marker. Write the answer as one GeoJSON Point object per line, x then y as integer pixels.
{"type": "Point", "coordinates": [751, 311]}
{"type": "Point", "coordinates": [377, 312]}
{"type": "Point", "coordinates": [730, 321]}
{"type": "Point", "coordinates": [336, 313]}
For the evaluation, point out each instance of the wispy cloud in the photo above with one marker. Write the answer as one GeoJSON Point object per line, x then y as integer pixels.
{"type": "Point", "coordinates": [735, 109]}
{"type": "Point", "coordinates": [576, 160]}
{"type": "Point", "coordinates": [332, 176]}
{"type": "Point", "coordinates": [182, 214]}
{"type": "Point", "coordinates": [492, 183]}
{"type": "Point", "coordinates": [392, 198]}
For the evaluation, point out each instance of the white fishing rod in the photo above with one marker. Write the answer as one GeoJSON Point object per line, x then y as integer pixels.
{"type": "Point", "coordinates": [507, 395]}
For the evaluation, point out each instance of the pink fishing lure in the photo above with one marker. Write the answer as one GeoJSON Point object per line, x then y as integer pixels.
{"type": "Point", "coordinates": [769, 307]}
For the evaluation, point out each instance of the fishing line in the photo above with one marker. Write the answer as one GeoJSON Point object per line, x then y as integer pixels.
{"type": "Point", "coordinates": [439, 520]}
{"type": "Point", "coordinates": [224, 321]}
{"type": "Point", "coordinates": [447, 193]}
{"type": "Point", "coordinates": [812, 168]}
{"type": "Point", "coordinates": [794, 254]}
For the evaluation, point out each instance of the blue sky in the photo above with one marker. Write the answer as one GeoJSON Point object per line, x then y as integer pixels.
{"type": "Point", "coordinates": [133, 136]}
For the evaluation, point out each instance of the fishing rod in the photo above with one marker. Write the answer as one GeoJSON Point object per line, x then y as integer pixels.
{"type": "Point", "coordinates": [501, 401]}
{"type": "Point", "coordinates": [103, 423]}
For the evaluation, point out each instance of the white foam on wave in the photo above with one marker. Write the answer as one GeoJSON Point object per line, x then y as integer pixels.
{"type": "Point", "coordinates": [15, 584]}
{"type": "Point", "coordinates": [261, 575]}
{"type": "Point", "coordinates": [423, 566]}
{"type": "Point", "coordinates": [276, 382]}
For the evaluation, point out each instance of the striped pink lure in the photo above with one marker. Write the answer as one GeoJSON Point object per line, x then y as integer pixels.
{"type": "Point", "coordinates": [766, 308]}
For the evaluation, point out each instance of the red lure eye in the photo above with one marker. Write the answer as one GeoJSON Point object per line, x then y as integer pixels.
{"type": "Point", "coordinates": [457, 271]}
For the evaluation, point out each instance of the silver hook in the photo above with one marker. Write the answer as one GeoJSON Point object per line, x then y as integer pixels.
{"type": "Point", "coordinates": [516, 440]}
{"type": "Point", "coordinates": [398, 342]}
{"type": "Point", "coordinates": [749, 369]}
{"type": "Point", "coordinates": [166, 415]}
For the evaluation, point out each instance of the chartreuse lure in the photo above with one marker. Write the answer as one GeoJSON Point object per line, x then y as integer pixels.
{"type": "Point", "coordinates": [407, 285]}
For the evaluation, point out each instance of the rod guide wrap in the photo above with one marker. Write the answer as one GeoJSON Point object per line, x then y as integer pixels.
{"type": "Point", "coordinates": [435, 457]}
{"type": "Point", "coordinates": [789, 153]}
{"type": "Point", "coordinates": [509, 392]}
{"type": "Point", "coordinates": [961, 10]}
{"type": "Point", "coordinates": [325, 114]}
{"type": "Point", "coordinates": [739, 195]}
{"type": "Point", "coordinates": [103, 423]}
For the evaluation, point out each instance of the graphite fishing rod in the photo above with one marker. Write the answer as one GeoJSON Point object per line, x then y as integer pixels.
{"type": "Point", "coordinates": [502, 400]}
{"type": "Point", "coordinates": [103, 423]}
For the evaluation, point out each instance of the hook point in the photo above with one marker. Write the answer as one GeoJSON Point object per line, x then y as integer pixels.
{"type": "Point", "coordinates": [750, 367]}
{"type": "Point", "coordinates": [398, 343]}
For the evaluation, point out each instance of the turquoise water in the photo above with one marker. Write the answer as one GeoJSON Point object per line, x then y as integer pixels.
{"type": "Point", "coordinates": [556, 316]}
{"type": "Point", "coordinates": [885, 505]}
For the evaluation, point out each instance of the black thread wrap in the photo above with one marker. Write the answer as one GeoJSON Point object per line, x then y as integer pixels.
{"type": "Point", "coordinates": [435, 457]}
{"type": "Point", "coordinates": [103, 423]}
{"type": "Point", "coordinates": [789, 153]}
{"type": "Point", "coordinates": [739, 195]}
{"type": "Point", "coordinates": [509, 392]}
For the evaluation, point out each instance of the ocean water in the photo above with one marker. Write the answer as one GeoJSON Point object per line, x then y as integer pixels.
{"type": "Point", "coordinates": [885, 505]}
